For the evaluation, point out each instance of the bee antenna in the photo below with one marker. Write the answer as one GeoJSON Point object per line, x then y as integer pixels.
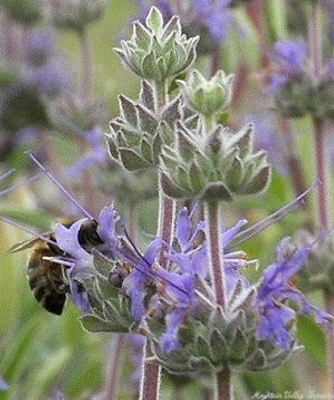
{"type": "Point", "coordinates": [61, 187]}
{"type": "Point", "coordinates": [27, 230]}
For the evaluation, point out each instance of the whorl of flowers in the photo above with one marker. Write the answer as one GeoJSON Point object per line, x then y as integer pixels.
{"type": "Point", "coordinates": [126, 291]}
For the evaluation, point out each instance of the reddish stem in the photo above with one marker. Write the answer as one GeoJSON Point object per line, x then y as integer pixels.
{"type": "Point", "coordinates": [215, 251]}
{"type": "Point", "coordinates": [151, 377]}
{"type": "Point", "coordinates": [319, 145]}
{"type": "Point", "coordinates": [114, 368]}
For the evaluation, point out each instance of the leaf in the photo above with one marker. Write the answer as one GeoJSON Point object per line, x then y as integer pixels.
{"type": "Point", "coordinates": [92, 323]}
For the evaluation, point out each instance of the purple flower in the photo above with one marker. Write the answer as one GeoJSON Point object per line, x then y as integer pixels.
{"type": "Point", "coordinates": [50, 78]}
{"type": "Point", "coordinates": [79, 261]}
{"type": "Point", "coordinates": [67, 240]}
{"type": "Point", "coordinates": [291, 55]}
{"type": "Point", "coordinates": [97, 155]}
{"type": "Point", "coordinates": [137, 282]}
{"type": "Point", "coordinates": [110, 226]}
{"type": "Point", "coordinates": [3, 384]}
{"type": "Point", "coordinates": [188, 260]}
{"type": "Point", "coordinates": [268, 139]}
{"type": "Point", "coordinates": [39, 46]}
{"type": "Point", "coordinates": [275, 293]}
{"type": "Point", "coordinates": [289, 61]}
{"type": "Point", "coordinates": [214, 16]}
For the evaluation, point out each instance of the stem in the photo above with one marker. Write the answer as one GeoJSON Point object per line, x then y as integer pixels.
{"type": "Point", "coordinates": [216, 60]}
{"type": "Point", "coordinates": [87, 65]}
{"type": "Point", "coordinates": [315, 40]}
{"type": "Point", "coordinates": [256, 13]}
{"type": "Point", "coordinates": [213, 223]}
{"type": "Point", "coordinates": [316, 58]}
{"type": "Point", "coordinates": [223, 384]}
{"type": "Point", "coordinates": [151, 376]}
{"type": "Point", "coordinates": [319, 146]}
{"type": "Point", "coordinates": [114, 368]}
{"type": "Point", "coordinates": [329, 301]}
{"type": "Point", "coordinates": [215, 251]}
{"type": "Point", "coordinates": [293, 161]}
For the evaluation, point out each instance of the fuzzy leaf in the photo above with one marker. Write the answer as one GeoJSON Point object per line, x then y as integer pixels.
{"type": "Point", "coordinates": [92, 323]}
{"type": "Point", "coordinates": [154, 20]}
{"type": "Point", "coordinates": [170, 189]}
{"type": "Point", "coordinates": [147, 122]}
{"type": "Point", "coordinates": [147, 96]}
{"type": "Point", "coordinates": [128, 110]}
{"type": "Point", "coordinates": [132, 161]}
{"type": "Point", "coordinates": [146, 151]}
{"type": "Point", "coordinates": [259, 182]}
{"type": "Point", "coordinates": [171, 113]}
{"type": "Point", "coordinates": [216, 192]}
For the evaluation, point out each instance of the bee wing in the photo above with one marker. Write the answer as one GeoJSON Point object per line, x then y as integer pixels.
{"type": "Point", "coordinates": [27, 244]}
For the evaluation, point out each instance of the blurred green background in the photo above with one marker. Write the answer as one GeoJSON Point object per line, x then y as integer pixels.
{"type": "Point", "coordinates": [42, 354]}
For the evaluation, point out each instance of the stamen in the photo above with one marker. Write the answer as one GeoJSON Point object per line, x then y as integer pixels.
{"type": "Point", "coordinates": [150, 274]}
{"type": "Point", "coordinates": [27, 230]}
{"type": "Point", "coordinates": [20, 184]}
{"type": "Point", "coordinates": [61, 187]}
{"type": "Point", "coordinates": [6, 174]}
{"type": "Point", "coordinates": [290, 207]}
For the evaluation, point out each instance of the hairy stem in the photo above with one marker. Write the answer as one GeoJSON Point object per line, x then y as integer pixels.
{"type": "Point", "coordinates": [316, 61]}
{"type": "Point", "coordinates": [151, 374]}
{"type": "Point", "coordinates": [224, 390]}
{"type": "Point", "coordinates": [215, 251]}
{"type": "Point", "coordinates": [87, 65]}
{"type": "Point", "coordinates": [113, 370]}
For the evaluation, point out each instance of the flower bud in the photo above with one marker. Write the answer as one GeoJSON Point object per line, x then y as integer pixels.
{"type": "Point", "coordinates": [137, 135]}
{"type": "Point", "coordinates": [318, 272]}
{"type": "Point", "coordinates": [73, 113]}
{"type": "Point", "coordinates": [75, 14]}
{"type": "Point", "coordinates": [208, 97]}
{"type": "Point", "coordinates": [217, 166]}
{"type": "Point", "coordinates": [26, 12]}
{"type": "Point", "coordinates": [156, 52]}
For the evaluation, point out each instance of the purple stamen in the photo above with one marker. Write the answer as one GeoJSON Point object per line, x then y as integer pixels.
{"type": "Point", "coordinates": [61, 187]}
{"type": "Point", "coordinates": [20, 184]}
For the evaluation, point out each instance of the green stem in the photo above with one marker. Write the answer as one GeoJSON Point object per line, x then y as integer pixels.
{"type": "Point", "coordinates": [87, 65]}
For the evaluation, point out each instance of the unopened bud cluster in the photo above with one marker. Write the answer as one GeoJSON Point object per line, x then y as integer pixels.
{"type": "Point", "coordinates": [197, 157]}
{"type": "Point", "coordinates": [157, 52]}
{"type": "Point", "coordinates": [318, 272]}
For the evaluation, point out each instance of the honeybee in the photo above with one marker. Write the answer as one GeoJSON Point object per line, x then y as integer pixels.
{"type": "Point", "coordinates": [47, 279]}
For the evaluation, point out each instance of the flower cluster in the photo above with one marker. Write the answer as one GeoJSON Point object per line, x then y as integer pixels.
{"type": "Point", "coordinates": [296, 89]}
{"type": "Point", "coordinates": [174, 305]}
{"type": "Point", "coordinates": [210, 20]}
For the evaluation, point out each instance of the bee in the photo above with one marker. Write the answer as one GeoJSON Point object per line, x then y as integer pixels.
{"type": "Point", "coordinates": [47, 279]}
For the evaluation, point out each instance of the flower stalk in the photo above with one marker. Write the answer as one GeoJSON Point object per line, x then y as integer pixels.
{"type": "Point", "coordinates": [151, 373]}
{"type": "Point", "coordinates": [316, 61]}
{"type": "Point", "coordinates": [215, 251]}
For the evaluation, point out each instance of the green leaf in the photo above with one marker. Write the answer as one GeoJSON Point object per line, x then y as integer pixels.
{"type": "Point", "coordinates": [312, 337]}
{"type": "Point", "coordinates": [154, 20]}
